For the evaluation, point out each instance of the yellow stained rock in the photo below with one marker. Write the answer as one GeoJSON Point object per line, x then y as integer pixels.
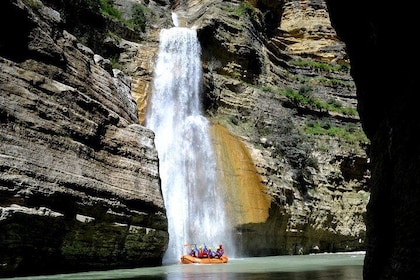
{"type": "Point", "coordinates": [246, 198]}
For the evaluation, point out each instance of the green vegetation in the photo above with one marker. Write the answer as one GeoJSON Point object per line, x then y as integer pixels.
{"type": "Point", "coordinates": [288, 142]}
{"type": "Point", "coordinates": [227, 6]}
{"type": "Point", "coordinates": [326, 81]}
{"type": "Point", "coordinates": [303, 97]}
{"type": "Point", "coordinates": [138, 13]}
{"type": "Point", "coordinates": [350, 135]}
{"type": "Point", "coordinates": [138, 17]}
{"type": "Point", "coordinates": [115, 63]}
{"type": "Point", "coordinates": [245, 8]}
{"type": "Point", "coordinates": [33, 4]}
{"type": "Point", "coordinates": [332, 82]}
{"type": "Point", "coordinates": [106, 7]}
{"type": "Point", "coordinates": [321, 65]}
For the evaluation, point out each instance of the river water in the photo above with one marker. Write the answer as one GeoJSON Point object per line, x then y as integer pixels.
{"type": "Point", "coordinates": [346, 266]}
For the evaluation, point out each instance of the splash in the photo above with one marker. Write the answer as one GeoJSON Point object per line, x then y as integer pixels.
{"type": "Point", "coordinates": [193, 198]}
{"type": "Point", "coordinates": [175, 19]}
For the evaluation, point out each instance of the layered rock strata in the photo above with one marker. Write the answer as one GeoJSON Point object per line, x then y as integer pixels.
{"type": "Point", "coordinates": [79, 182]}
{"type": "Point", "coordinates": [277, 87]}
{"type": "Point", "coordinates": [316, 182]}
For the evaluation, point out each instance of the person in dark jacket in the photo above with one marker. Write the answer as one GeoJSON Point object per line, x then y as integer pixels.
{"type": "Point", "coordinates": [220, 251]}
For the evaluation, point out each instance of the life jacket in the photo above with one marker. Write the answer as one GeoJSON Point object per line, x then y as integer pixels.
{"type": "Point", "coordinates": [220, 252]}
{"type": "Point", "coordinates": [200, 253]}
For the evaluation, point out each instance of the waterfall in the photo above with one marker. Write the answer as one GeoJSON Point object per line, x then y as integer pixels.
{"type": "Point", "coordinates": [194, 199]}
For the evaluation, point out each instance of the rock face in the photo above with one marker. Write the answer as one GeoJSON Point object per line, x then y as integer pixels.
{"type": "Point", "coordinates": [79, 180]}
{"type": "Point", "coordinates": [386, 88]}
{"type": "Point", "coordinates": [273, 73]}
{"type": "Point", "coordinates": [277, 88]}
{"type": "Point", "coordinates": [277, 78]}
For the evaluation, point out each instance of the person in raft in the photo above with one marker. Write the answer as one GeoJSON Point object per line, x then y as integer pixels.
{"type": "Point", "coordinates": [205, 252]}
{"type": "Point", "coordinates": [200, 252]}
{"type": "Point", "coordinates": [211, 253]}
{"type": "Point", "coordinates": [219, 252]}
{"type": "Point", "coordinates": [193, 252]}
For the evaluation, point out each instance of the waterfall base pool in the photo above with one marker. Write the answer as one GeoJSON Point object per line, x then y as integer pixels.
{"type": "Point", "coordinates": [339, 266]}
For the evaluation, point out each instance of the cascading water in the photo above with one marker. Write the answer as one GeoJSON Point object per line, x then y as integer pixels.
{"type": "Point", "coordinates": [193, 197]}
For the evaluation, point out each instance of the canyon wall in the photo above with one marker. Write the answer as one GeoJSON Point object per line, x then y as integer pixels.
{"type": "Point", "coordinates": [273, 74]}
{"type": "Point", "coordinates": [79, 182]}
{"type": "Point", "coordinates": [386, 88]}
{"type": "Point", "coordinates": [74, 89]}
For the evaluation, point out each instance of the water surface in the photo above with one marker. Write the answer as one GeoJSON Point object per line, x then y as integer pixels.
{"type": "Point", "coordinates": [346, 266]}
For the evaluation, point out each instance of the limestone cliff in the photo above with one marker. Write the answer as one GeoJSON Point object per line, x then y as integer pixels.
{"type": "Point", "coordinates": [79, 181]}
{"type": "Point", "coordinates": [277, 88]}
{"type": "Point", "coordinates": [278, 79]}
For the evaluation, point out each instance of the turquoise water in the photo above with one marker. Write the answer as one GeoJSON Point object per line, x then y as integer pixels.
{"type": "Point", "coordinates": [346, 266]}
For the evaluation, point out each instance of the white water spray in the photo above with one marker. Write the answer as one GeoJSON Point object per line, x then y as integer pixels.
{"type": "Point", "coordinates": [187, 163]}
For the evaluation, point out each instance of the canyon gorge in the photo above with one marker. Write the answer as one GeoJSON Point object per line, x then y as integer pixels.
{"type": "Point", "coordinates": [80, 178]}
